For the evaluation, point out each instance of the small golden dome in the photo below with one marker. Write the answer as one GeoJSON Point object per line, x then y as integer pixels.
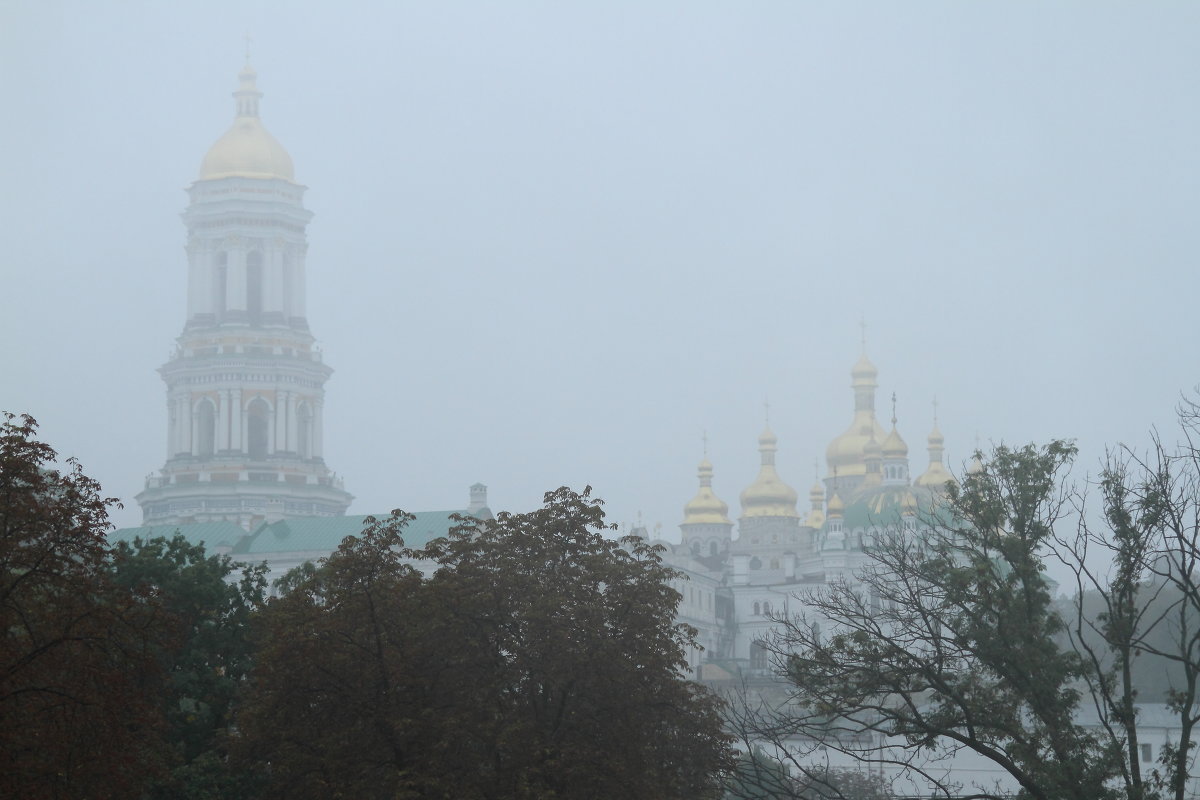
{"type": "Point", "coordinates": [845, 454]}
{"type": "Point", "coordinates": [836, 506]}
{"type": "Point", "coordinates": [816, 497]}
{"type": "Point", "coordinates": [768, 496]}
{"type": "Point", "coordinates": [894, 446]}
{"type": "Point", "coordinates": [936, 476]}
{"type": "Point", "coordinates": [706, 508]}
{"type": "Point", "coordinates": [247, 150]}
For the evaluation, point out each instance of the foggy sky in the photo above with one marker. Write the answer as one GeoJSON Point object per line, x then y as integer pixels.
{"type": "Point", "coordinates": [555, 242]}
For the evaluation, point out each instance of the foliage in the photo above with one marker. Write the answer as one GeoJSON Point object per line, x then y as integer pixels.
{"type": "Point", "coordinates": [540, 660]}
{"type": "Point", "coordinates": [947, 643]}
{"type": "Point", "coordinates": [203, 647]}
{"type": "Point", "coordinates": [75, 662]}
{"type": "Point", "coordinates": [1137, 602]}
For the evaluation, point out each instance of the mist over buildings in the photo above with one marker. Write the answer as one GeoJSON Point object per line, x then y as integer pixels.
{"type": "Point", "coordinates": [559, 245]}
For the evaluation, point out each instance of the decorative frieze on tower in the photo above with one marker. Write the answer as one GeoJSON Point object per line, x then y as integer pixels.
{"type": "Point", "coordinates": [245, 386]}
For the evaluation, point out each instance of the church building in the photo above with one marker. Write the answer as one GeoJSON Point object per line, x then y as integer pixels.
{"type": "Point", "coordinates": [733, 584]}
{"type": "Point", "coordinates": [246, 385]}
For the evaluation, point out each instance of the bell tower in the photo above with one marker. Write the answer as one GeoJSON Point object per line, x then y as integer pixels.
{"type": "Point", "coordinates": [245, 385]}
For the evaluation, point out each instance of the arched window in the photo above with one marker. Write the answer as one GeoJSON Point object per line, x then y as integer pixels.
{"type": "Point", "coordinates": [758, 655]}
{"type": "Point", "coordinates": [220, 285]}
{"type": "Point", "coordinates": [757, 609]}
{"type": "Point", "coordinates": [254, 287]}
{"type": "Point", "coordinates": [774, 563]}
{"type": "Point", "coordinates": [766, 607]}
{"type": "Point", "coordinates": [712, 548]}
{"type": "Point", "coordinates": [304, 430]}
{"type": "Point", "coordinates": [695, 548]}
{"type": "Point", "coordinates": [206, 428]}
{"type": "Point", "coordinates": [756, 563]}
{"type": "Point", "coordinates": [258, 420]}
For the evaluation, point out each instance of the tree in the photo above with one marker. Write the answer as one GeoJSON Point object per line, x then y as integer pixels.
{"type": "Point", "coordinates": [947, 642]}
{"type": "Point", "coordinates": [540, 660]}
{"type": "Point", "coordinates": [1137, 600]}
{"type": "Point", "coordinates": [203, 648]}
{"type": "Point", "coordinates": [75, 663]}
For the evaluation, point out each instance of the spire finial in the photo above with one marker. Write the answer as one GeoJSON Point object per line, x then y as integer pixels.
{"type": "Point", "coordinates": [816, 470]}
{"type": "Point", "coordinates": [862, 324]}
{"type": "Point", "coordinates": [935, 404]}
{"type": "Point", "coordinates": [248, 40]}
{"type": "Point", "coordinates": [766, 411]}
{"type": "Point", "coordinates": [704, 439]}
{"type": "Point", "coordinates": [893, 409]}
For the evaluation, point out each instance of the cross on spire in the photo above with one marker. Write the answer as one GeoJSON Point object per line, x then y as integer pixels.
{"type": "Point", "coordinates": [935, 404]}
{"type": "Point", "coordinates": [862, 324]}
{"type": "Point", "coordinates": [704, 439]}
{"type": "Point", "coordinates": [893, 409]}
{"type": "Point", "coordinates": [766, 411]}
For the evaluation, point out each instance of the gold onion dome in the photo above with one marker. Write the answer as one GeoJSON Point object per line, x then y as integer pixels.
{"type": "Point", "coordinates": [845, 454]}
{"type": "Point", "coordinates": [768, 496]}
{"type": "Point", "coordinates": [706, 508]}
{"type": "Point", "coordinates": [893, 445]}
{"type": "Point", "coordinates": [816, 497]}
{"type": "Point", "coordinates": [936, 476]}
{"type": "Point", "coordinates": [247, 150]}
{"type": "Point", "coordinates": [836, 506]}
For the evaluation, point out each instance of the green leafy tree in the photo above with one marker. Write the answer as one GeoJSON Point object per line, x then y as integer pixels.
{"type": "Point", "coordinates": [541, 660]}
{"type": "Point", "coordinates": [76, 666]}
{"type": "Point", "coordinates": [203, 648]}
{"type": "Point", "coordinates": [948, 642]}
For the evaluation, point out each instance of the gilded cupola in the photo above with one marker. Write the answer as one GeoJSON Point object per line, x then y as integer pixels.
{"type": "Point", "coordinates": [247, 150]}
{"type": "Point", "coordinates": [816, 499]}
{"type": "Point", "coordinates": [936, 476]}
{"type": "Point", "coordinates": [768, 496]}
{"type": "Point", "coordinates": [706, 508]}
{"type": "Point", "coordinates": [845, 454]}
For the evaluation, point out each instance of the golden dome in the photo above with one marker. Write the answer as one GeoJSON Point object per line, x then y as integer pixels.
{"type": "Point", "coordinates": [836, 506]}
{"type": "Point", "coordinates": [768, 496]}
{"type": "Point", "coordinates": [894, 446]}
{"type": "Point", "coordinates": [816, 497]}
{"type": "Point", "coordinates": [936, 476]}
{"type": "Point", "coordinates": [706, 508]}
{"type": "Point", "coordinates": [844, 455]}
{"type": "Point", "coordinates": [247, 150]}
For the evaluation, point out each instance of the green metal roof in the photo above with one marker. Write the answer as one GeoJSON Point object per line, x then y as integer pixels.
{"type": "Point", "coordinates": [210, 534]}
{"type": "Point", "coordinates": [324, 534]}
{"type": "Point", "coordinates": [884, 505]}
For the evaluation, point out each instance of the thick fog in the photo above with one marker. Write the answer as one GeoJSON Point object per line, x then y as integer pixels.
{"type": "Point", "coordinates": [555, 243]}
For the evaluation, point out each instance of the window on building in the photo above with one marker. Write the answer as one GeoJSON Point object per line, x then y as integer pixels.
{"type": "Point", "coordinates": [258, 417]}
{"type": "Point", "coordinates": [695, 548]}
{"type": "Point", "coordinates": [766, 607]}
{"type": "Point", "coordinates": [758, 655]}
{"type": "Point", "coordinates": [1147, 752]}
{"type": "Point", "coordinates": [304, 431]}
{"type": "Point", "coordinates": [756, 563]}
{"type": "Point", "coordinates": [254, 287]}
{"type": "Point", "coordinates": [206, 428]}
{"type": "Point", "coordinates": [757, 609]}
{"type": "Point", "coordinates": [712, 548]}
{"type": "Point", "coordinates": [774, 563]}
{"type": "Point", "coordinates": [220, 280]}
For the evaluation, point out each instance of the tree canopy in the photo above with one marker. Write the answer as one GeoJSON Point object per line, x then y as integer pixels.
{"type": "Point", "coordinates": [541, 659]}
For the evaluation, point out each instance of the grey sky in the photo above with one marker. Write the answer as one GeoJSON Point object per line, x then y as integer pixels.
{"type": "Point", "coordinates": [555, 241]}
